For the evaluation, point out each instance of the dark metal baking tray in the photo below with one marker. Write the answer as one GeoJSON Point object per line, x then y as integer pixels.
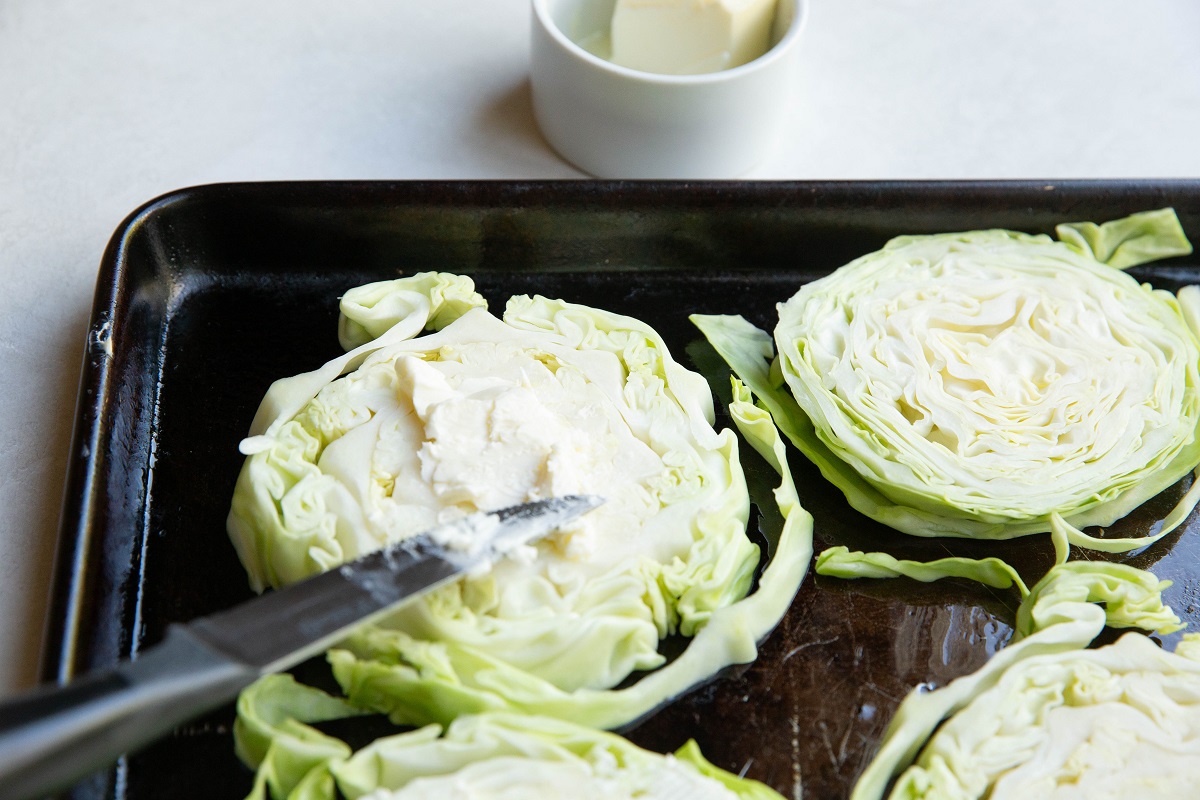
{"type": "Point", "coordinates": [208, 294]}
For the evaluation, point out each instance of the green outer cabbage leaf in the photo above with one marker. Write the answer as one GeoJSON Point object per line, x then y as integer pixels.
{"type": "Point", "coordinates": [907, 443]}
{"type": "Point", "coordinates": [298, 762]}
{"type": "Point", "coordinates": [841, 562]}
{"type": "Point", "coordinates": [459, 651]}
{"type": "Point", "coordinates": [988, 722]}
{"type": "Point", "coordinates": [1129, 241]}
{"type": "Point", "coordinates": [273, 733]}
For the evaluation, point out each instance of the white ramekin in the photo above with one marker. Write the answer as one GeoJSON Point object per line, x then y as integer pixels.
{"type": "Point", "coordinates": [615, 122]}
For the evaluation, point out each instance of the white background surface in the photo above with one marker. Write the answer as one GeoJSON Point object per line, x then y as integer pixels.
{"type": "Point", "coordinates": [107, 103]}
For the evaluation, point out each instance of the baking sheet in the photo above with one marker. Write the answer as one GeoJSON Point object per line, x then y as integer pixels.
{"type": "Point", "coordinates": [207, 295]}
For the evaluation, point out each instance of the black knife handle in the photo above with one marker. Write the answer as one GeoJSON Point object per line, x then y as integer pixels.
{"type": "Point", "coordinates": [54, 736]}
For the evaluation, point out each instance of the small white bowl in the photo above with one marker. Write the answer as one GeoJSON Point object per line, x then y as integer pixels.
{"type": "Point", "coordinates": [615, 122]}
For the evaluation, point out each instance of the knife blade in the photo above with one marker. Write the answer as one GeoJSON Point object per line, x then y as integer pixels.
{"type": "Point", "coordinates": [52, 737]}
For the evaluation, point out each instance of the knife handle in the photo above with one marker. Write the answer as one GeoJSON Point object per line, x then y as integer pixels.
{"type": "Point", "coordinates": [52, 737]}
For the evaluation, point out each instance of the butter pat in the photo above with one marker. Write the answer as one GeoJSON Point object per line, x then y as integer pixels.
{"type": "Point", "coordinates": [686, 37]}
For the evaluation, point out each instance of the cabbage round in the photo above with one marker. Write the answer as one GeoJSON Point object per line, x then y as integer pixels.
{"type": "Point", "coordinates": [1046, 717]}
{"type": "Point", "coordinates": [408, 430]}
{"type": "Point", "coordinates": [998, 377]}
{"type": "Point", "coordinates": [990, 384]}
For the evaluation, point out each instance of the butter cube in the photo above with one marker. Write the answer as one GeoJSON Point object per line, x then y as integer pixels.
{"type": "Point", "coordinates": [685, 37]}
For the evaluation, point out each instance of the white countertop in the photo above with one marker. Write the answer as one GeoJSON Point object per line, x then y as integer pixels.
{"type": "Point", "coordinates": [105, 105]}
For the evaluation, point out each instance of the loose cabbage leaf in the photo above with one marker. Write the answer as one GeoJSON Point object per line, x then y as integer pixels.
{"type": "Point", "coordinates": [989, 384]}
{"type": "Point", "coordinates": [840, 562]}
{"type": "Point", "coordinates": [1127, 242]}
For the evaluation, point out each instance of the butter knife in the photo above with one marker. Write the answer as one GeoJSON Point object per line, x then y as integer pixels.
{"type": "Point", "coordinates": [52, 737]}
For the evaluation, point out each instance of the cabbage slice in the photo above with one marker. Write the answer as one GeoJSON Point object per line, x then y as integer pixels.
{"type": "Point", "coordinates": [1046, 717]}
{"type": "Point", "coordinates": [407, 430]}
{"type": "Point", "coordinates": [989, 384]}
{"type": "Point", "coordinates": [489, 757]}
